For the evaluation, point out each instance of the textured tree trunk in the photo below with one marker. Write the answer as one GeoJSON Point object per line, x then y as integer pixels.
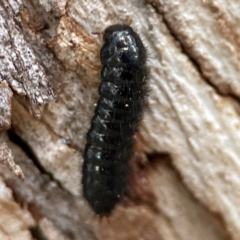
{"type": "Point", "coordinates": [185, 172]}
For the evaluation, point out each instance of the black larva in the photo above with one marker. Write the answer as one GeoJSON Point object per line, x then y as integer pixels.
{"type": "Point", "coordinates": [119, 109]}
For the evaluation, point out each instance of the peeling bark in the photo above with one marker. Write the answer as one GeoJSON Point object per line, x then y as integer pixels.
{"type": "Point", "coordinates": [19, 65]}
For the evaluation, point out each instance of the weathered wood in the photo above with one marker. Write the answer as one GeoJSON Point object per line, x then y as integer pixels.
{"type": "Point", "coordinates": [47, 50]}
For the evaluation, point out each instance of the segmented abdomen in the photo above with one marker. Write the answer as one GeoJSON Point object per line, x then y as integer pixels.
{"type": "Point", "coordinates": [110, 137]}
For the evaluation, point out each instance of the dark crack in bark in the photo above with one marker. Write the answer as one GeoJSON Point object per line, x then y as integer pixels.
{"type": "Point", "coordinates": [44, 198]}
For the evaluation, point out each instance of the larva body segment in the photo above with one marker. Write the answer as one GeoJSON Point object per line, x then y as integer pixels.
{"type": "Point", "coordinates": [118, 112]}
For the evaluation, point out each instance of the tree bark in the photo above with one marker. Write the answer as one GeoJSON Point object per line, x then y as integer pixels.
{"type": "Point", "coordinates": [185, 171]}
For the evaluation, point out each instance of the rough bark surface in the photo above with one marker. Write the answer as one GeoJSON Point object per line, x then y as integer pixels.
{"type": "Point", "coordinates": [185, 176]}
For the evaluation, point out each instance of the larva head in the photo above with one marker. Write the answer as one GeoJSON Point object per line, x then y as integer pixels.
{"type": "Point", "coordinates": [122, 47]}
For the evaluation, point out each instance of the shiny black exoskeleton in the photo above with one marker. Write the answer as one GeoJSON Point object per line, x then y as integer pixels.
{"type": "Point", "coordinates": [119, 110]}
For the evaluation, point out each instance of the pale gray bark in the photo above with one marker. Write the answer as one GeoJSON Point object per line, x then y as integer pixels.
{"type": "Point", "coordinates": [186, 169]}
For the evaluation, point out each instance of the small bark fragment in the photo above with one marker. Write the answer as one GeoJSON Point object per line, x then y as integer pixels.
{"type": "Point", "coordinates": [7, 159]}
{"type": "Point", "coordinates": [5, 106]}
